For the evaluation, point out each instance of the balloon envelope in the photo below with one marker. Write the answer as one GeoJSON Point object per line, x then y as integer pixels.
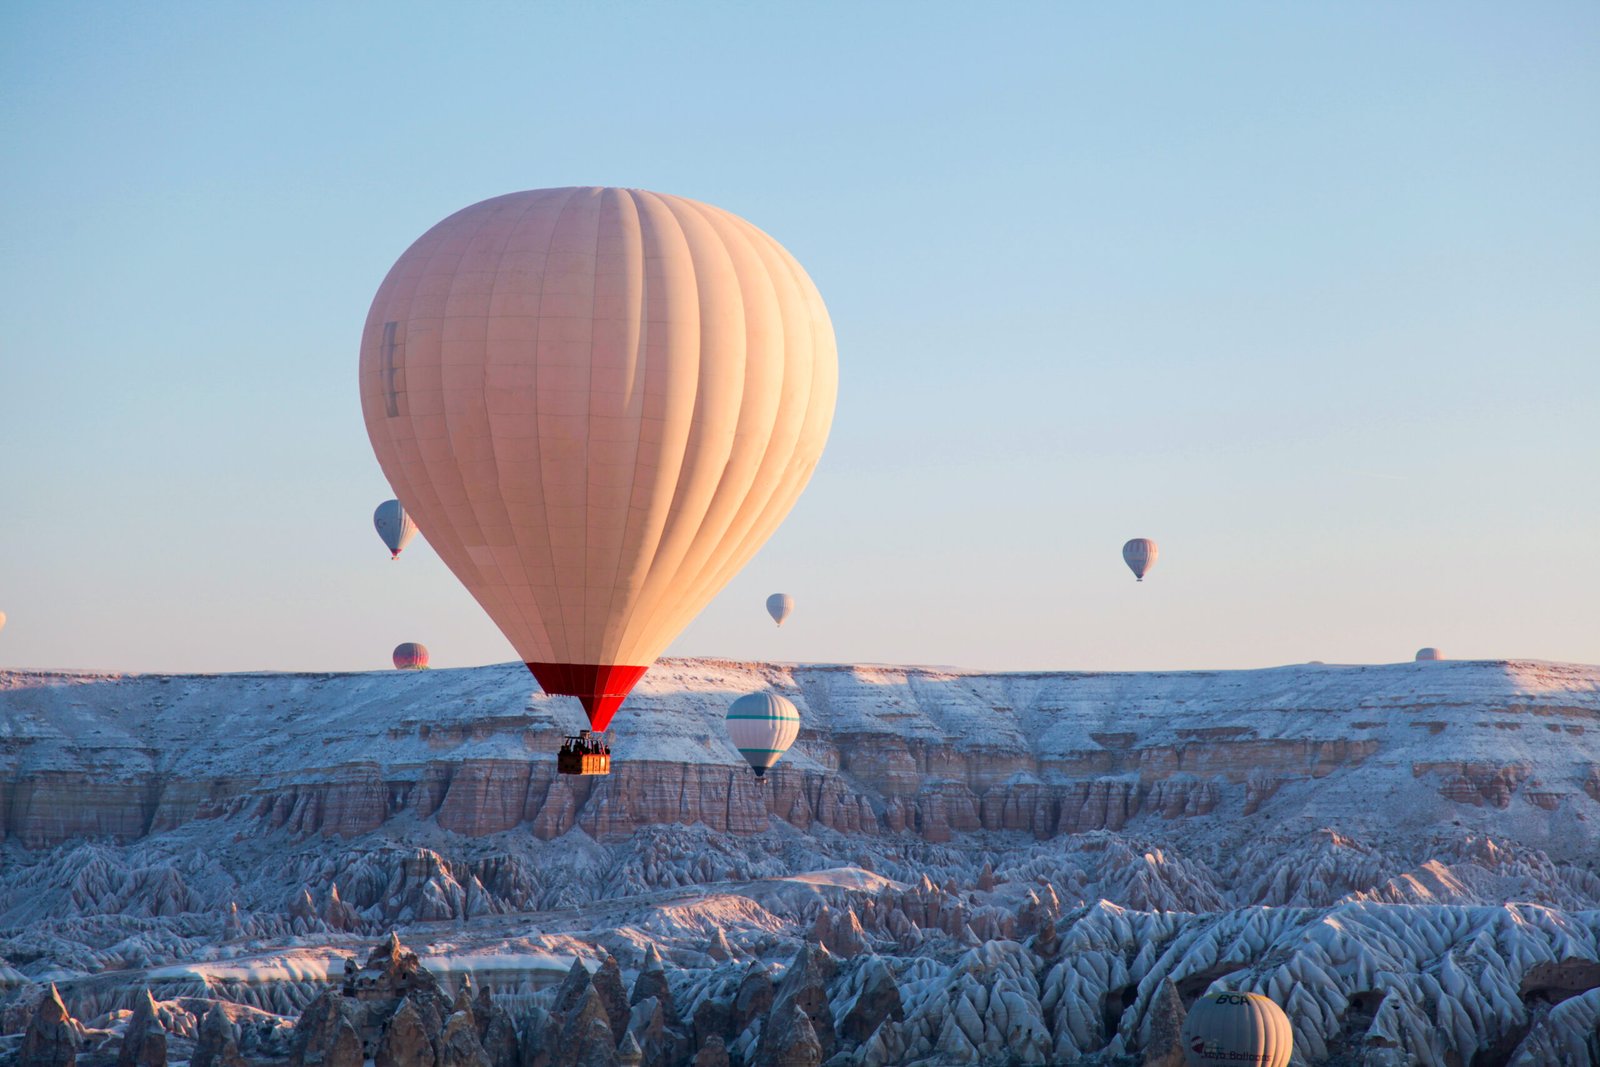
{"type": "Point", "coordinates": [780, 606]}
{"type": "Point", "coordinates": [1140, 555]}
{"type": "Point", "coordinates": [2, 620]}
{"type": "Point", "coordinates": [1428, 654]}
{"type": "Point", "coordinates": [1237, 1028]}
{"type": "Point", "coordinates": [762, 726]}
{"type": "Point", "coordinates": [410, 656]}
{"type": "Point", "coordinates": [394, 526]}
{"type": "Point", "coordinates": [597, 404]}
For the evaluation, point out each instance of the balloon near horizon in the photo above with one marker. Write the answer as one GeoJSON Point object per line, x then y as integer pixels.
{"type": "Point", "coordinates": [596, 404]}
{"type": "Point", "coordinates": [410, 656]}
{"type": "Point", "coordinates": [1428, 655]}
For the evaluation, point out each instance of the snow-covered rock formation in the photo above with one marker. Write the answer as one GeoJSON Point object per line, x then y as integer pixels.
{"type": "Point", "coordinates": [949, 867]}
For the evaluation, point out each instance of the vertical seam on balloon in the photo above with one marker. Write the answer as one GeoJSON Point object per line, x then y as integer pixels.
{"type": "Point", "coordinates": [652, 582]}
{"type": "Point", "coordinates": [588, 422]}
{"type": "Point", "coordinates": [703, 586]}
{"type": "Point", "coordinates": [691, 444]}
{"type": "Point", "coordinates": [485, 225]}
{"type": "Point", "coordinates": [609, 646]}
{"type": "Point", "coordinates": [537, 622]}
{"type": "Point", "coordinates": [426, 487]}
{"type": "Point", "coordinates": [561, 608]}
{"type": "Point", "coordinates": [767, 521]}
{"type": "Point", "coordinates": [761, 526]}
{"type": "Point", "coordinates": [664, 612]}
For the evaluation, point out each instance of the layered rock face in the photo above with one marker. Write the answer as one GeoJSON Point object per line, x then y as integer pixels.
{"type": "Point", "coordinates": [883, 750]}
{"type": "Point", "coordinates": [948, 867]}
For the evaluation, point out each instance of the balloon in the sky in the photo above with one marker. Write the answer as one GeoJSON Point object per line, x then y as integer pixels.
{"type": "Point", "coordinates": [1140, 555]}
{"type": "Point", "coordinates": [780, 606]}
{"type": "Point", "coordinates": [1428, 654]}
{"type": "Point", "coordinates": [1228, 1028]}
{"type": "Point", "coordinates": [410, 656]}
{"type": "Point", "coordinates": [2, 620]}
{"type": "Point", "coordinates": [762, 726]}
{"type": "Point", "coordinates": [596, 404]}
{"type": "Point", "coordinates": [394, 526]}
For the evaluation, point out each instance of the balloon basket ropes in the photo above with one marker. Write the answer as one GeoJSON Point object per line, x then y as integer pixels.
{"type": "Point", "coordinates": [583, 754]}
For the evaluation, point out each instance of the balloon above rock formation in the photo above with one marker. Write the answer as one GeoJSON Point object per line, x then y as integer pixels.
{"type": "Point", "coordinates": [1140, 555]}
{"type": "Point", "coordinates": [762, 726]}
{"type": "Point", "coordinates": [410, 656]}
{"type": "Point", "coordinates": [1426, 654]}
{"type": "Point", "coordinates": [394, 526]}
{"type": "Point", "coordinates": [780, 606]}
{"type": "Point", "coordinates": [1224, 1028]}
{"type": "Point", "coordinates": [597, 404]}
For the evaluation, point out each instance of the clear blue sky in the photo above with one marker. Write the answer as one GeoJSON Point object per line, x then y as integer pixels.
{"type": "Point", "coordinates": [1310, 293]}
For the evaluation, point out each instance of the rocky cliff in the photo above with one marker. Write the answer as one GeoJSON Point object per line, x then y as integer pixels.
{"type": "Point", "coordinates": [986, 867]}
{"type": "Point", "coordinates": [1514, 746]}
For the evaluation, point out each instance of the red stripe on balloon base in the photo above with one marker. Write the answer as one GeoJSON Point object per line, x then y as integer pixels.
{"type": "Point", "coordinates": [602, 687]}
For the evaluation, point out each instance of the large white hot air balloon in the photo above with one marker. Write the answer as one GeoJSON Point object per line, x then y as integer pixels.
{"type": "Point", "coordinates": [1427, 654]}
{"type": "Point", "coordinates": [1140, 555]}
{"type": "Point", "coordinates": [762, 726]}
{"type": "Point", "coordinates": [780, 606]}
{"type": "Point", "coordinates": [394, 526]}
{"type": "Point", "coordinates": [1234, 1028]}
{"type": "Point", "coordinates": [596, 404]}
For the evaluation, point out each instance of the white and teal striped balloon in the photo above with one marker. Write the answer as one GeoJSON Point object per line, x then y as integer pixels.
{"type": "Point", "coordinates": [394, 526]}
{"type": "Point", "coordinates": [762, 727]}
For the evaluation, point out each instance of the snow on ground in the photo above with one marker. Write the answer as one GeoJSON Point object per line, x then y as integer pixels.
{"type": "Point", "coordinates": [1402, 855]}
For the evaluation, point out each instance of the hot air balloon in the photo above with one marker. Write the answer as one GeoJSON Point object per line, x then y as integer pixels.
{"type": "Point", "coordinates": [2, 620]}
{"type": "Point", "coordinates": [1425, 654]}
{"type": "Point", "coordinates": [1140, 555]}
{"type": "Point", "coordinates": [597, 404]}
{"type": "Point", "coordinates": [1225, 1028]}
{"type": "Point", "coordinates": [410, 657]}
{"type": "Point", "coordinates": [394, 526]}
{"type": "Point", "coordinates": [780, 606]}
{"type": "Point", "coordinates": [762, 727]}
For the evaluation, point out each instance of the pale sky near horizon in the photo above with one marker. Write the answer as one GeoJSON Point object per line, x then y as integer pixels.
{"type": "Point", "coordinates": [1310, 294]}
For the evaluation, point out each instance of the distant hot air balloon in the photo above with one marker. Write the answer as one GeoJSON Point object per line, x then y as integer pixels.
{"type": "Point", "coordinates": [780, 606]}
{"type": "Point", "coordinates": [410, 657]}
{"type": "Point", "coordinates": [394, 526]}
{"type": "Point", "coordinates": [2, 620]}
{"type": "Point", "coordinates": [1428, 654]}
{"type": "Point", "coordinates": [762, 727]}
{"type": "Point", "coordinates": [1140, 555]}
{"type": "Point", "coordinates": [1224, 1028]}
{"type": "Point", "coordinates": [597, 404]}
